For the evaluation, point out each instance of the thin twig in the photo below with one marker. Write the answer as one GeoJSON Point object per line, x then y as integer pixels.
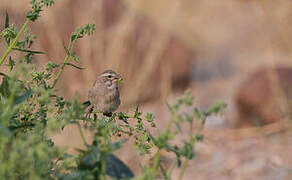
{"type": "Point", "coordinates": [15, 40]}
{"type": "Point", "coordinates": [81, 134]}
{"type": "Point", "coordinates": [192, 142]}
{"type": "Point", "coordinates": [68, 55]}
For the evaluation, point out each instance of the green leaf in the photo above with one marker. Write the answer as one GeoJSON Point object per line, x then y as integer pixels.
{"type": "Point", "coordinates": [9, 34]}
{"type": "Point", "coordinates": [123, 117]}
{"type": "Point", "coordinates": [88, 29]}
{"type": "Point", "coordinates": [3, 74]}
{"type": "Point", "coordinates": [169, 107]}
{"type": "Point", "coordinates": [4, 88]}
{"type": "Point", "coordinates": [86, 104]}
{"type": "Point", "coordinates": [219, 106]}
{"type": "Point", "coordinates": [149, 117]}
{"type": "Point", "coordinates": [7, 20]}
{"type": "Point", "coordinates": [187, 150]}
{"type": "Point", "coordinates": [47, 2]}
{"type": "Point", "coordinates": [197, 113]}
{"type": "Point", "coordinates": [114, 166]}
{"type": "Point", "coordinates": [199, 137]}
{"type": "Point", "coordinates": [188, 99]}
{"type": "Point", "coordinates": [11, 63]}
{"type": "Point", "coordinates": [117, 145]}
{"type": "Point", "coordinates": [70, 64]}
{"type": "Point", "coordinates": [36, 8]}
{"type": "Point", "coordinates": [164, 173]}
{"type": "Point", "coordinates": [189, 118]}
{"type": "Point", "coordinates": [75, 57]}
{"type": "Point", "coordinates": [73, 37]}
{"type": "Point", "coordinates": [23, 97]}
{"type": "Point", "coordinates": [28, 51]}
{"type": "Point", "coordinates": [51, 65]}
{"type": "Point", "coordinates": [137, 112]}
{"type": "Point", "coordinates": [178, 126]}
{"type": "Point", "coordinates": [65, 48]}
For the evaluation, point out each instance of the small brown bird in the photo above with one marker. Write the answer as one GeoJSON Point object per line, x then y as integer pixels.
{"type": "Point", "coordinates": [105, 95]}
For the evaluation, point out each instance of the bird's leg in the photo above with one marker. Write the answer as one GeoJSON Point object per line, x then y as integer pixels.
{"type": "Point", "coordinates": [87, 116]}
{"type": "Point", "coordinates": [90, 110]}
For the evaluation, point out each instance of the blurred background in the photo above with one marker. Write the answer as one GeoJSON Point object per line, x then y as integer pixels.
{"type": "Point", "coordinates": [238, 51]}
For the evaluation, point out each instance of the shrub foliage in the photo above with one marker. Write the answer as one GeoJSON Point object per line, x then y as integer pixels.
{"type": "Point", "coordinates": [31, 111]}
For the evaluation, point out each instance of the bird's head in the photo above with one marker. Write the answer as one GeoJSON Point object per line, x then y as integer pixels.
{"type": "Point", "coordinates": [110, 78]}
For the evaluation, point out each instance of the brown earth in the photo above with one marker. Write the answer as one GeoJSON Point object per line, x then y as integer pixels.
{"type": "Point", "coordinates": [163, 48]}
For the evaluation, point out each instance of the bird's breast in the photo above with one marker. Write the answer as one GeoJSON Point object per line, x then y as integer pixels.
{"type": "Point", "coordinates": [107, 101]}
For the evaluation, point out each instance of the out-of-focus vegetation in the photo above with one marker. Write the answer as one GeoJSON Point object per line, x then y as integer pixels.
{"type": "Point", "coordinates": [164, 43]}
{"type": "Point", "coordinates": [31, 111]}
{"type": "Point", "coordinates": [162, 48]}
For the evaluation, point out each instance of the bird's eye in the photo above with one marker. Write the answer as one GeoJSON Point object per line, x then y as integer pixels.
{"type": "Point", "coordinates": [109, 76]}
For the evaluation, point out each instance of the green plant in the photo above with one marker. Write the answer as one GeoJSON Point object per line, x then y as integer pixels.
{"type": "Point", "coordinates": [31, 111]}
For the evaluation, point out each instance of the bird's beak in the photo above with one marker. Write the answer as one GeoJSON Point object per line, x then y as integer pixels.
{"type": "Point", "coordinates": [119, 79]}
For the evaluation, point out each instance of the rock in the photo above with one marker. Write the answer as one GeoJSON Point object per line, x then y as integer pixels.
{"type": "Point", "coordinates": [265, 97]}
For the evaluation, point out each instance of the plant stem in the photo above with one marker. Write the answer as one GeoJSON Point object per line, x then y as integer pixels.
{"type": "Point", "coordinates": [192, 142]}
{"type": "Point", "coordinates": [171, 168]}
{"type": "Point", "coordinates": [157, 155]}
{"type": "Point", "coordinates": [68, 54]}
{"type": "Point", "coordinates": [13, 43]}
{"type": "Point", "coordinates": [170, 123]}
{"type": "Point", "coordinates": [81, 134]}
{"type": "Point", "coordinates": [103, 166]}
{"type": "Point", "coordinates": [184, 166]}
{"type": "Point", "coordinates": [156, 160]}
{"type": "Point", "coordinates": [8, 109]}
{"type": "Point", "coordinates": [185, 163]}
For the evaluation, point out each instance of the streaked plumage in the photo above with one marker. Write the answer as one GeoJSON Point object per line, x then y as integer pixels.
{"type": "Point", "coordinates": [104, 95]}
